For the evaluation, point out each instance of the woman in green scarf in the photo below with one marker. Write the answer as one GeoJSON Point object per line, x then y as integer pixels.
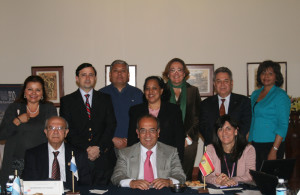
{"type": "Point", "coordinates": [188, 98]}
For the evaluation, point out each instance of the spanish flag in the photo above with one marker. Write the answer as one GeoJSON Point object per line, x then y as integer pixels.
{"type": "Point", "coordinates": [206, 166]}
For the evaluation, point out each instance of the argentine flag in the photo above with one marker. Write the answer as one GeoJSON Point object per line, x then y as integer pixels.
{"type": "Point", "coordinates": [16, 188]}
{"type": "Point", "coordinates": [73, 168]}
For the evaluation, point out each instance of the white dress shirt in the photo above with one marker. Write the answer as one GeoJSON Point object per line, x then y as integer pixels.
{"type": "Point", "coordinates": [60, 158]}
{"type": "Point", "coordinates": [83, 93]}
{"type": "Point", "coordinates": [226, 102]}
{"type": "Point", "coordinates": [126, 182]}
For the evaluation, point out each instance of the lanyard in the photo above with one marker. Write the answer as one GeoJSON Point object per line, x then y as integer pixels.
{"type": "Point", "coordinates": [228, 168]}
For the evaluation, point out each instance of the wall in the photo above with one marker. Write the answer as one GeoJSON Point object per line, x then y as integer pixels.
{"type": "Point", "coordinates": [148, 33]}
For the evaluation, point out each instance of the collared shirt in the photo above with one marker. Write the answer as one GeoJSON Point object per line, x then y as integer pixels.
{"type": "Point", "coordinates": [143, 156]}
{"type": "Point", "coordinates": [122, 101]}
{"type": "Point", "coordinates": [60, 158]}
{"type": "Point", "coordinates": [83, 93]}
{"type": "Point", "coordinates": [226, 102]}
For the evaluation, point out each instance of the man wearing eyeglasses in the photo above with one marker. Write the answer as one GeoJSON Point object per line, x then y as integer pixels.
{"type": "Point", "coordinates": [149, 163]}
{"type": "Point", "coordinates": [52, 160]}
{"type": "Point", "coordinates": [224, 102]}
{"type": "Point", "coordinates": [92, 121]}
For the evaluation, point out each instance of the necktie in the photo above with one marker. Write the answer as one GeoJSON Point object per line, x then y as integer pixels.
{"type": "Point", "coordinates": [55, 167]}
{"type": "Point", "coordinates": [87, 105]}
{"type": "Point", "coordinates": [222, 108]}
{"type": "Point", "coordinates": [148, 171]}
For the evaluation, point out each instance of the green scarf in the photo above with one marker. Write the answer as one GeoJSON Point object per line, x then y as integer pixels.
{"type": "Point", "coordinates": [182, 96]}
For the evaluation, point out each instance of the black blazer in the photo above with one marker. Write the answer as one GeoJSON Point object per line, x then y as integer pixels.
{"type": "Point", "coordinates": [171, 125]}
{"type": "Point", "coordinates": [102, 123]}
{"type": "Point", "coordinates": [239, 109]}
{"type": "Point", "coordinates": [36, 165]}
{"type": "Point", "coordinates": [102, 127]}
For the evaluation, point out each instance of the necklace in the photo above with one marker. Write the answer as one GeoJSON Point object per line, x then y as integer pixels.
{"type": "Point", "coordinates": [34, 111]}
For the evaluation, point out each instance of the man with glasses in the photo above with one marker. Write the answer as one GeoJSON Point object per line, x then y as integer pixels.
{"type": "Point", "coordinates": [91, 117]}
{"type": "Point", "coordinates": [148, 163]}
{"type": "Point", "coordinates": [52, 160]}
{"type": "Point", "coordinates": [224, 102]}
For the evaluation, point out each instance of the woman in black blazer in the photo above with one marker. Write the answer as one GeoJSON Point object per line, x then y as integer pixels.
{"type": "Point", "coordinates": [169, 115]}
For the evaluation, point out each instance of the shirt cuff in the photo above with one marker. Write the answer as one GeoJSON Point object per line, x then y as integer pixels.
{"type": "Point", "coordinates": [175, 181]}
{"type": "Point", "coordinates": [188, 141]}
{"type": "Point", "coordinates": [125, 182]}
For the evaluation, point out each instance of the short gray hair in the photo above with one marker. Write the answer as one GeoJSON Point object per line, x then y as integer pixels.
{"type": "Point", "coordinates": [58, 117]}
{"type": "Point", "coordinates": [224, 70]}
{"type": "Point", "coordinates": [119, 62]}
{"type": "Point", "coordinates": [147, 116]}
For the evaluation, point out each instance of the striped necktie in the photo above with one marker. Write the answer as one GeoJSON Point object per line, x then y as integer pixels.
{"type": "Point", "coordinates": [87, 105]}
{"type": "Point", "coordinates": [55, 167]}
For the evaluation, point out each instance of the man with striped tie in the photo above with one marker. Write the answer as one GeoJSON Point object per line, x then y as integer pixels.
{"type": "Point", "coordinates": [51, 160]}
{"type": "Point", "coordinates": [92, 121]}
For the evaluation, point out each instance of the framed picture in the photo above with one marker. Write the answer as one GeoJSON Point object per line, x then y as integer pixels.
{"type": "Point", "coordinates": [132, 75]}
{"type": "Point", "coordinates": [54, 81]}
{"type": "Point", "coordinates": [201, 76]}
{"type": "Point", "coordinates": [252, 76]}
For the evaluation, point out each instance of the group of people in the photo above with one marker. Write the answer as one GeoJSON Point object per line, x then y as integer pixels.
{"type": "Point", "coordinates": [140, 140]}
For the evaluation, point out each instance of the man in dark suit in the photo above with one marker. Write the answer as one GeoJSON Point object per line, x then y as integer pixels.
{"type": "Point", "coordinates": [91, 117]}
{"type": "Point", "coordinates": [39, 160]}
{"type": "Point", "coordinates": [149, 162]}
{"type": "Point", "coordinates": [224, 102]}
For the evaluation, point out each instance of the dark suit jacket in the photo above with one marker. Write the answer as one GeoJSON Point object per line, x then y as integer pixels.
{"type": "Point", "coordinates": [37, 165]}
{"type": "Point", "coordinates": [239, 109]}
{"type": "Point", "coordinates": [171, 125]}
{"type": "Point", "coordinates": [191, 121]}
{"type": "Point", "coordinates": [102, 126]}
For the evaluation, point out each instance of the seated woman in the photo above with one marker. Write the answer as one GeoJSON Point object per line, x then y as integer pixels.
{"type": "Point", "coordinates": [230, 153]}
{"type": "Point", "coordinates": [169, 115]}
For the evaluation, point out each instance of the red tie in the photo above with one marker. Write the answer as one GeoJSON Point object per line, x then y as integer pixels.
{"type": "Point", "coordinates": [148, 171]}
{"type": "Point", "coordinates": [222, 107]}
{"type": "Point", "coordinates": [87, 105]}
{"type": "Point", "coordinates": [55, 167]}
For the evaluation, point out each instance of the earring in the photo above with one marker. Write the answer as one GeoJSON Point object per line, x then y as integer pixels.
{"type": "Point", "coordinates": [42, 97]}
{"type": "Point", "coordinates": [24, 96]}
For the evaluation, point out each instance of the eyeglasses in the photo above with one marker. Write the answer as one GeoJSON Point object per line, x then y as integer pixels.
{"type": "Point", "coordinates": [50, 128]}
{"type": "Point", "coordinates": [144, 131]}
{"type": "Point", "coordinates": [173, 70]}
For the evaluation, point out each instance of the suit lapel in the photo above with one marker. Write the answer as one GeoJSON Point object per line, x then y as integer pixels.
{"type": "Point", "coordinates": [135, 161]}
{"type": "Point", "coordinates": [81, 104]}
{"type": "Point", "coordinates": [160, 160]}
{"type": "Point", "coordinates": [232, 103]}
{"type": "Point", "coordinates": [44, 159]}
{"type": "Point", "coordinates": [215, 106]}
{"type": "Point", "coordinates": [68, 156]}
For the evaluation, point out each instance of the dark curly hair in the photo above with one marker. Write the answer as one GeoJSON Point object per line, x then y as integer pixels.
{"type": "Point", "coordinates": [36, 79]}
{"type": "Point", "coordinates": [165, 96]}
{"type": "Point", "coordinates": [167, 68]}
{"type": "Point", "coordinates": [239, 145]}
{"type": "Point", "coordinates": [276, 68]}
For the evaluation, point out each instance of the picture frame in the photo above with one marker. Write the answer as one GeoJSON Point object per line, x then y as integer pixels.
{"type": "Point", "coordinates": [132, 75]}
{"type": "Point", "coordinates": [201, 76]}
{"type": "Point", "coordinates": [54, 81]}
{"type": "Point", "coordinates": [252, 76]}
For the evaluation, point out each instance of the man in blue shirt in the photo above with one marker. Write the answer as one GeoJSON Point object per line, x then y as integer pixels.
{"type": "Point", "coordinates": [123, 97]}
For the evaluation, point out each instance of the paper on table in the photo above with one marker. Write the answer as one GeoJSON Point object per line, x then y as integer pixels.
{"type": "Point", "coordinates": [215, 191]}
{"type": "Point", "coordinates": [98, 191]}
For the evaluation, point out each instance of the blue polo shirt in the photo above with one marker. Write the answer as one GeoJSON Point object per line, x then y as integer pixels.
{"type": "Point", "coordinates": [122, 101]}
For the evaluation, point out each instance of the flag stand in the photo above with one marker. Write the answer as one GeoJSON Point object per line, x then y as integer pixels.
{"type": "Point", "coordinates": [73, 184]}
{"type": "Point", "coordinates": [204, 189]}
{"type": "Point", "coordinates": [206, 167]}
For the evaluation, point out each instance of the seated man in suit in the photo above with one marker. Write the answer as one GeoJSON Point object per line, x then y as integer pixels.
{"type": "Point", "coordinates": [224, 102]}
{"type": "Point", "coordinates": [148, 163]}
{"type": "Point", "coordinates": [52, 160]}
